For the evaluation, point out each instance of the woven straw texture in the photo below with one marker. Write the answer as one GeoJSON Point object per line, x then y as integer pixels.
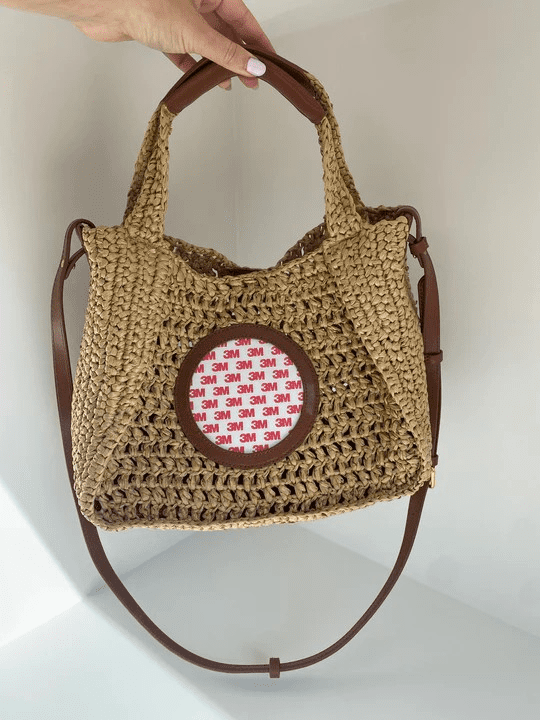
{"type": "Point", "coordinates": [342, 293]}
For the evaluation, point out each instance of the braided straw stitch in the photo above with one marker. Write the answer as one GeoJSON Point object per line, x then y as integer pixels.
{"type": "Point", "coordinates": [342, 293]}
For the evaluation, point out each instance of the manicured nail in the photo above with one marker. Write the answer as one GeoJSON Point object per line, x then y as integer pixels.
{"type": "Point", "coordinates": [256, 67]}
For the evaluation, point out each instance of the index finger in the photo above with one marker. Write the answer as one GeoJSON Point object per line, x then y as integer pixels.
{"type": "Point", "coordinates": [243, 21]}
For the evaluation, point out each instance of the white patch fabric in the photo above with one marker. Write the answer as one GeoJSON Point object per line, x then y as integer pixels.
{"type": "Point", "coordinates": [246, 395]}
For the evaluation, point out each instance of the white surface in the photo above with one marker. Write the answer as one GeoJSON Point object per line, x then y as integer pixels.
{"type": "Point", "coordinates": [22, 608]}
{"type": "Point", "coordinates": [423, 656]}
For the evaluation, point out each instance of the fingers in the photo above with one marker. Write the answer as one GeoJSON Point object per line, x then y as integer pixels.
{"type": "Point", "coordinates": [181, 60]}
{"type": "Point", "coordinates": [239, 17]}
{"type": "Point", "coordinates": [222, 50]}
{"type": "Point", "coordinates": [215, 21]}
{"type": "Point", "coordinates": [232, 20]}
{"type": "Point", "coordinates": [185, 62]}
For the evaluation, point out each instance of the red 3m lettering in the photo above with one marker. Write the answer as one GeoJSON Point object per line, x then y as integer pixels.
{"type": "Point", "coordinates": [280, 374]}
{"type": "Point", "coordinates": [276, 351]}
{"type": "Point", "coordinates": [257, 400]}
{"type": "Point", "coordinates": [248, 437]}
{"type": "Point", "coordinates": [208, 380]}
{"type": "Point", "coordinates": [235, 426]}
{"type": "Point", "coordinates": [210, 356]}
{"type": "Point", "coordinates": [255, 351]}
{"type": "Point", "coordinates": [282, 398]}
{"type": "Point", "coordinates": [234, 401]}
{"type": "Point", "coordinates": [259, 424]}
{"type": "Point", "coordinates": [246, 412]}
{"type": "Point", "coordinates": [207, 404]}
{"type": "Point", "coordinates": [244, 364]}
{"type": "Point", "coordinates": [220, 367]}
{"type": "Point", "coordinates": [199, 417]}
{"type": "Point", "coordinates": [256, 375]}
{"type": "Point", "coordinates": [208, 429]}
{"type": "Point", "coordinates": [222, 415]}
{"type": "Point", "coordinates": [269, 387]}
{"type": "Point", "coordinates": [243, 341]}
{"type": "Point", "coordinates": [258, 448]}
{"type": "Point", "coordinates": [293, 385]}
{"type": "Point", "coordinates": [271, 410]}
{"type": "Point", "coordinates": [243, 389]}
{"type": "Point", "coordinates": [221, 390]}
{"type": "Point", "coordinates": [197, 392]}
{"type": "Point", "coordinates": [284, 422]}
{"type": "Point", "coordinates": [223, 439]}
{"type": "Point", "coordinates": [229, 354]}
{"type": "Point", "coordinates": [268, 362]}
{"type": "Point", "coordinates": [233, 377]}
{"type": "Point", "coordinates": [272, 435]}
{"type": "Point", "coordinates": [294, 409]}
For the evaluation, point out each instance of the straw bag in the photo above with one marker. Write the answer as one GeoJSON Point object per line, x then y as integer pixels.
{"type": "Point", "coordinates": [210, 396]}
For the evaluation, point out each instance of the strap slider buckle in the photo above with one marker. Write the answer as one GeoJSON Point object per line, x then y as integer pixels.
{"type": "Point", "coordinates": [274, 667]}
{"type": "Point", "coordinates": [418, 247]}
{"type": "Point", "coordinates": [433, 357]}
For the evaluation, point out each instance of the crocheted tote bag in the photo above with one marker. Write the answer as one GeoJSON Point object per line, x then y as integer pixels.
{"type": "Point", "coordinates": [210, 396]}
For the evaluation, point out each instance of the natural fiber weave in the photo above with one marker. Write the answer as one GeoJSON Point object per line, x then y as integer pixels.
{"type": "Point", "coordinates": [342, 293]}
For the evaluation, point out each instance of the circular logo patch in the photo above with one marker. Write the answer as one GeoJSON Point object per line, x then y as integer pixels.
{"type": "Point", "coordinates": [246, 395]}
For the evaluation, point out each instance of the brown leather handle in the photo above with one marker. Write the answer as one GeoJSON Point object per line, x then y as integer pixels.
{"type": "Point", "coordinates": [286, 77]}
{"type": "Point", "coordinates": [429, 314]}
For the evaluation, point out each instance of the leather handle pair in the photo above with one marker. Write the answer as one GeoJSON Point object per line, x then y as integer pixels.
{"type": "Point", "coordinates": [286, 77]}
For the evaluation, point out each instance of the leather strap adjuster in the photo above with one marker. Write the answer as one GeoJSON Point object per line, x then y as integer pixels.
{"type": "Point", "coordinates": [435, 357]}
{"type": "Point", "coordinates": [274, 667]}
{"type": "Point", "coordinates": [419, 247]}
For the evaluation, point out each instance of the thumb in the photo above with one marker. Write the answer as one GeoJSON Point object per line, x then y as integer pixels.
{"type": "Point", "coordinates": [225, 52]}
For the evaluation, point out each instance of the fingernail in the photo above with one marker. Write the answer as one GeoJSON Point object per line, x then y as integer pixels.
{"type": "Point", "coordinates": [256, 67]}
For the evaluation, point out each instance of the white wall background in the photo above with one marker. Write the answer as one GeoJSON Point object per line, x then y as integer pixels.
{"type": "Point", "coordinates": [72, 121]}
{"type": "Point", "coordinates": [439, 107]}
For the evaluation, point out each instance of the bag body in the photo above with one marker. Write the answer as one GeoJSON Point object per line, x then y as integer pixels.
{"type": "Point", "coordinates": [346, 302]}
{"type": "Point", "coordinates": [211, 396]}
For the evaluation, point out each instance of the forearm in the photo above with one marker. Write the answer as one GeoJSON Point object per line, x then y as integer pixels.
{"type": "Point", "coordinates": [72, 10]}
{"type": "Point", "coordinates": [174, 27]}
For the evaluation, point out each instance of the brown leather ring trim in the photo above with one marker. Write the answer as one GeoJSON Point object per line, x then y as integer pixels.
{"type": "Point", "coordinates": [435, 357]}
{"type": "Point", "coordinates": [273, 668]}
{"type": "Point", "coordinates": [291, 441]}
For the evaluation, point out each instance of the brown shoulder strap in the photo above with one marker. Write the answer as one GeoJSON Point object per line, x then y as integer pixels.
{"type": "Point", "coordinates": [429, 314]}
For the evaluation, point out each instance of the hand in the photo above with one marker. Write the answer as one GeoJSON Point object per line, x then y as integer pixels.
{"type": "Point", "coordinates": [211, 28]}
